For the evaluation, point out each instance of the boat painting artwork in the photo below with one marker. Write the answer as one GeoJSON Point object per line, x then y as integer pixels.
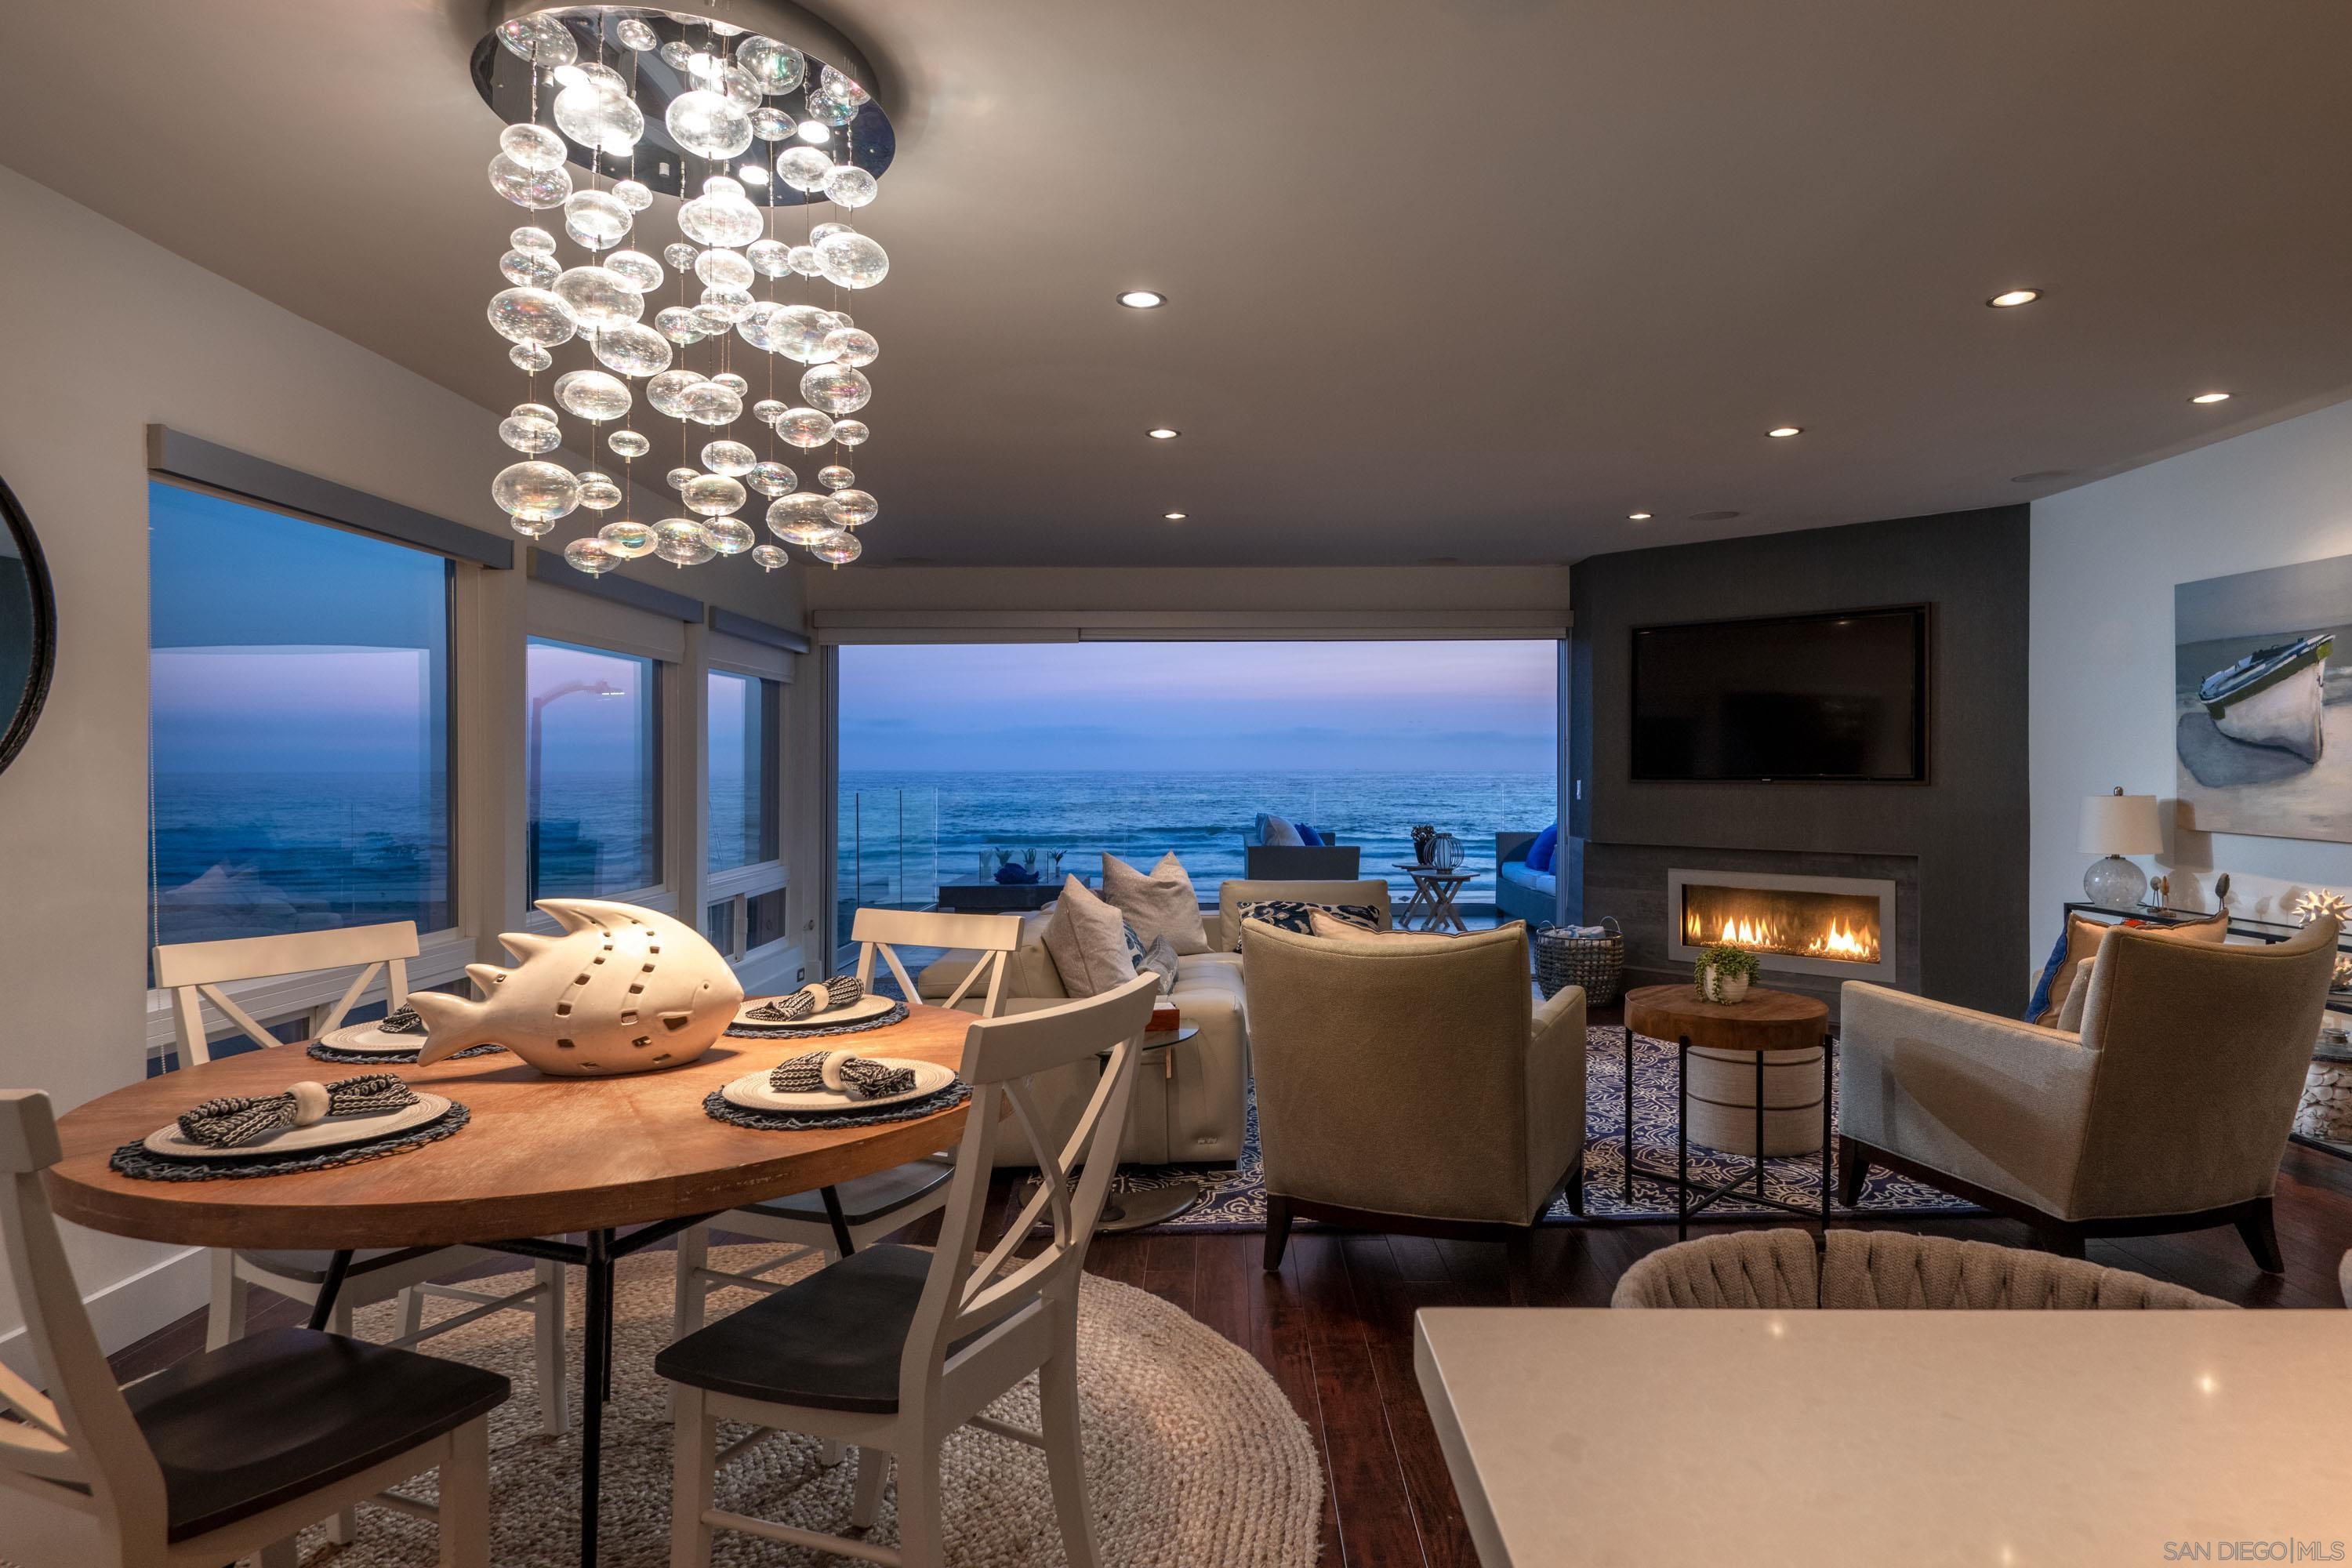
{"type": "Point", "coordinates": [2263, 701]}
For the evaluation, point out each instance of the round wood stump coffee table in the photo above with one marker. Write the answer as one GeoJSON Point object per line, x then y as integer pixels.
{"type": "Point", "coordinates": [1761, 1024]}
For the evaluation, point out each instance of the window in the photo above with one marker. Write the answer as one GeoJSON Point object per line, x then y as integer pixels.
{"type": "Point", "coordinates": [742, 829]}
{"type": "Point", "coordinates": [592, 765]}
{"type": "Point", "coordinates": [1361, 741]}
{"type": "Point", "coordinates": [299, 764]}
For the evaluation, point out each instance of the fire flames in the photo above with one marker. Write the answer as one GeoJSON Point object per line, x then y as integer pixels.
{"type": "Point", "coordinates": [1836, 939]}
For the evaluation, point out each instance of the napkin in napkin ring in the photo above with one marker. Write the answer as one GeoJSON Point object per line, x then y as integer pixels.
{"type": "Point", "coordinates": [840, 1071]}
{"type": "Point", "coordinates": [789, 1009]}
{"type": "Point", "coordinates": [402, 1020]}
{"type": "Point", "coordinates": [818, 996]}
{"type": "Point", "coordinates": [239, 1118]}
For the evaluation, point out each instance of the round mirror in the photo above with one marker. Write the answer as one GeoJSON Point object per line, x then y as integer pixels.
{"type": "Point", "coordinates": [28, 627]}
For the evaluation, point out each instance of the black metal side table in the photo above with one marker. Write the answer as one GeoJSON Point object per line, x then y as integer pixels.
{"type": "Point", "coordinates": [1762, 1022]}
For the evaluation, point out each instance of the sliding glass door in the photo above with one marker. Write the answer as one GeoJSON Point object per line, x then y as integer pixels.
{"type": "Point", "coordinates": [957, 760]}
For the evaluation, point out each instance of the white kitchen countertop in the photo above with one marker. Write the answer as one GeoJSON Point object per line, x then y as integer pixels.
{"type": "Point", "coordinates": [1877, 1438]}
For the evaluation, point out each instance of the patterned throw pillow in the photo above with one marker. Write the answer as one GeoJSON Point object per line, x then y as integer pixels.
{"type": "Point", "coordinates": [1288, 914]}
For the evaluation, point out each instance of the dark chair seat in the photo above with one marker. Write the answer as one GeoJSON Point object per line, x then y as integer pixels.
{"type": "Point", "coordinates": [830, 1341]}
{"type": "Point", "coordinates": [865, 1198]}
{"type": "Point", "coordinates": [310, 1267]}
{"type": "Point", "coordinates": [265, 1419]}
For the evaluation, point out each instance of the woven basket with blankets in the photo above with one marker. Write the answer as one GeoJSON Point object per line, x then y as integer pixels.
{"type": "Point", "coordinates": [1589, 957]}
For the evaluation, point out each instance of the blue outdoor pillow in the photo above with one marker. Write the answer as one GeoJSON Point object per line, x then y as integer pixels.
{"type": "Point", "coordinates": [1308, 835]}
{"type": "Point", "coordinates": [1545, 847]}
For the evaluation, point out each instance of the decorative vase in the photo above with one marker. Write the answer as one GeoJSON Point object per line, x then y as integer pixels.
{"type": "Point", "coordinates": [1715, 986]}
{"type": "Point", "coordinates": [621, 990]}
{"type": "Point", "coordinates": [1444, 850]}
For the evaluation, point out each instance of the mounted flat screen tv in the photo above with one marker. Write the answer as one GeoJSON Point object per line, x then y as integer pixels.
{"type": "Point", "coordinates": [1834, 697]}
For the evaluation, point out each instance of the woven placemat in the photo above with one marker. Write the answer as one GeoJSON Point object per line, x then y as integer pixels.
{"type": "Point", "coordinates": [897, 1014]}
{"type": "Point", "coordinates": [137, 1160]}
{"type": "Point", "coordinates": [323, 1052]}
{"type": "Point", "coordinates": [718, 1108]}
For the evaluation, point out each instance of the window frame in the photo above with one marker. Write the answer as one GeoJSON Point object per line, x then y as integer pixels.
{"type": "Point", "coordinates": [738, 885]}
{"type": "Point", "coordinates": [442, 953]}
{"type": "Point", "coordinates": [662, 894]}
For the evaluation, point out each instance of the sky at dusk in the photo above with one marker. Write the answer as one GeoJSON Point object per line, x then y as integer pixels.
{"type": "Point", "coordinates": [1425, 707]}
{"type": "Point", "coordinates": [282, 646]}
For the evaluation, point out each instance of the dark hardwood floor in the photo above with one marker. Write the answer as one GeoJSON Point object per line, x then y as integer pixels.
{"type": "Point", "coordinates": [1334, 1326]}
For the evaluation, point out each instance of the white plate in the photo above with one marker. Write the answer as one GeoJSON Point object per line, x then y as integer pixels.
{"type": "Point", "coordinates": [333, 1134]}
{"type": "Point", "coordinates": [367, 1038]}
{"type": "Point", "coordinates": [751, 1092]}
{"type": "Point", "coordinates": [857, 1012]}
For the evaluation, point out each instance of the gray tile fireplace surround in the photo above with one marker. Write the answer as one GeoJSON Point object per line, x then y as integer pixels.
{"type": "Point", "coordinates": [1629, 881]}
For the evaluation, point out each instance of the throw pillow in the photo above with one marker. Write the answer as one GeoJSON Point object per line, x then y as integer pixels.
{"type": "Point", "coordinates": [1547, 845]}
{"type": "Point", "coordinates": [1160, 959]}
{"type": "Point", "coordinates": [2083, 937]}
{"type": "Point", "coordinates": [1089, 942]}
{"type": "Point", "coordinates": [2039, 1002]}
{"type": "Point", "coordinates": [1310, 837]}
{"type": "Point", "coordinates": [1161, 904]}
{"type": "Point", "coordinates": [1289, 914]}
{"type": "Point", "coordinates": [1275, 832]}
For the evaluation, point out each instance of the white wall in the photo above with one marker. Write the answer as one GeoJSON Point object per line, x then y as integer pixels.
{"type": "Point", "coordinates": [2105, 560]}
{"type": "Point", "coordinates": [106, 333]}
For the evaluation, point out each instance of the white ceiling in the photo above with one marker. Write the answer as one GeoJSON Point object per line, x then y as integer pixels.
{"type": "Point", "coordinates": [1463, 280]}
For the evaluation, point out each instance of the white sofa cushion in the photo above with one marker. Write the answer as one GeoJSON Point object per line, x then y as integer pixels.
{"type": "Point", "coordinates": [1161, 904]}
{"type": "Point", "coordinates": [1088, 941]}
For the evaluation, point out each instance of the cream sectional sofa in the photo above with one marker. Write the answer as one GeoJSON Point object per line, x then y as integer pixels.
{"type": "Point", "coordinates": [1190, 1106]}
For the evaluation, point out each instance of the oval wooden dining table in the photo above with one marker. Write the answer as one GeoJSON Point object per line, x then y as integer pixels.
{"type": "Point", "coordinates": [541, 1158]}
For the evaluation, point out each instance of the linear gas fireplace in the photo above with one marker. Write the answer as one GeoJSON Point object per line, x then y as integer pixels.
{"type": "Point", "coordinates": [1840, 926]}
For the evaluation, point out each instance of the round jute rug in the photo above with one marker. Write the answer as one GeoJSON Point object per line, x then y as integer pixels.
{"type": "Point", "coordinates": [1194, 1459]}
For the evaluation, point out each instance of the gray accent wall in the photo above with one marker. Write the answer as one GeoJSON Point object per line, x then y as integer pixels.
{"type": "Point", "coordinates": [1966, 828]}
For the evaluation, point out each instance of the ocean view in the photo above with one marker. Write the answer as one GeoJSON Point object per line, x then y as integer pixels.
{"type": "Point", "coordinates": [904, 833]}
{"type": "Point", "coordinates": [248, 854]}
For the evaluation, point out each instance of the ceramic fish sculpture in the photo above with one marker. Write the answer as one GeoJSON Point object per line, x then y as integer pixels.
{"type": "Point", "coordinates": [621, 990]}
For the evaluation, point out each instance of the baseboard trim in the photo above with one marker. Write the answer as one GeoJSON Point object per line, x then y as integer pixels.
{"type": "Point", "coordinates": [129, 1309]}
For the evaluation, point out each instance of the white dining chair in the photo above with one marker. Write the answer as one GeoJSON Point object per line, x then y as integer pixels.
{"type": "Point", "coordinates": [854, 1213]}
{"type": "Point", "coordinates": [196, 973]}
{"type": "Point", "coordinates": [893, 1348]}
{"type": "Point", "coordinates": [229, 1452]}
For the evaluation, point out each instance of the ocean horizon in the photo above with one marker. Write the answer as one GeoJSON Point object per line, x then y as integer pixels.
{"type": "Point", "coordinates": [903, 833]}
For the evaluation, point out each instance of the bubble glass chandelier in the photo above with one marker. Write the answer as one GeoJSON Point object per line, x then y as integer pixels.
{"type": "Point", "coordinates": [706, 333]}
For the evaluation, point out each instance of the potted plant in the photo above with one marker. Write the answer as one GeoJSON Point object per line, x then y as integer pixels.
{"type": "Point", "coordinates": [1723, 973]}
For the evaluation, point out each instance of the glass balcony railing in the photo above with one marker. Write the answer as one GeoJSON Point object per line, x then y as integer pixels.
{"type": "Point", "coordinates": [902, 837]}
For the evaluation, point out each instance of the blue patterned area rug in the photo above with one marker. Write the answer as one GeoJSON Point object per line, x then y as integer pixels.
{"type": "Point", "coordinates": [1234, 1199]}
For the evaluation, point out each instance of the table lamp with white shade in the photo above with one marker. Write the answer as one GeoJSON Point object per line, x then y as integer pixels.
{"type": "Point", "coordinates": [2115, 825]}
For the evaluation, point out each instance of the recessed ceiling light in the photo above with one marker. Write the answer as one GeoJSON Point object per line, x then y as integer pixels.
{"type": "Point", "coordinates": [1637, 517]}
{"type": "Point", "coordinates": [2210, 398]}
{"type": "Point", "coordinates": [1143, 299]}
{"type": "Point", "coordinates": [1163, 434]}
{"type": "Point", "coordinates": [1782, 432]}
{"type": "Point", "coordinates": [1173, 516]}
{"type": "Point", "coordinates": [752, 175]}
{"type": "Point", "coordinates": [812, 131]}
{"type": "Point", "coordinates": [2014, 297]}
